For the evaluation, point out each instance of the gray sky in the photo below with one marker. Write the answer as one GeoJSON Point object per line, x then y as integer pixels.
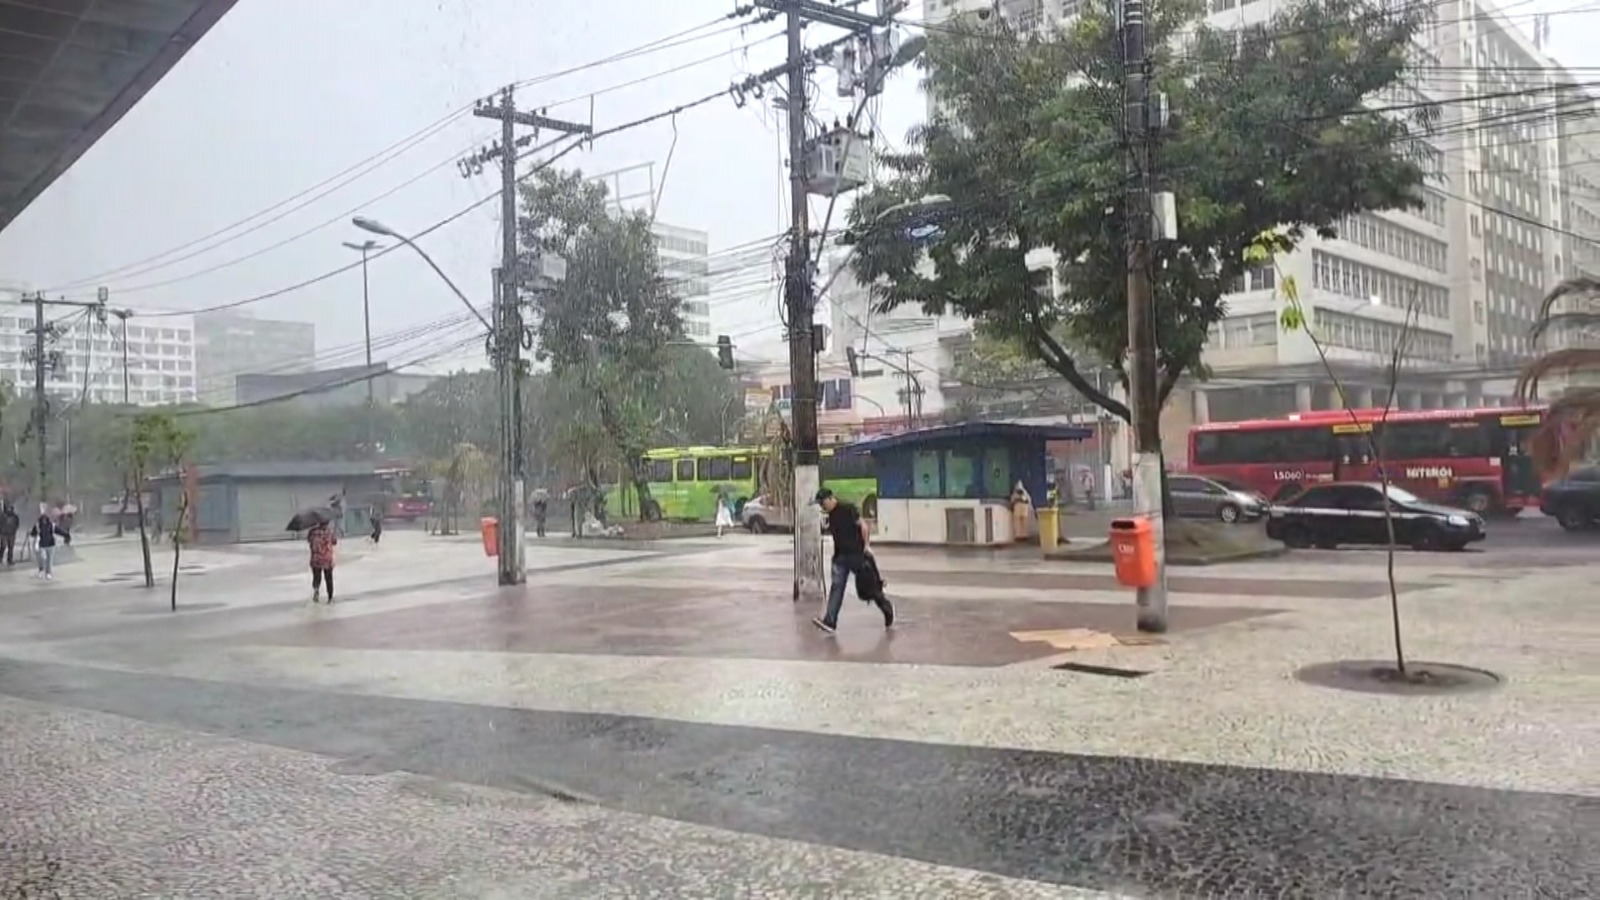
{"type": "Point", "coordinates": [284, 94]}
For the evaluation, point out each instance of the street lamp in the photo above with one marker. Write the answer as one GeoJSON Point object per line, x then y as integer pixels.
{"type": "Point", "coordinates": [376, 227]}
{"type": "Point", "coordinates": [925, 204]}
{"type": "Point", "coordinates": [366, 247]}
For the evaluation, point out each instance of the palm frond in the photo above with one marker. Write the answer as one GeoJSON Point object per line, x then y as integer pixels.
{"type": "Point", "coordinates": [1581, 286]}
{"type": "Point", "coordinates": [1556, 362]}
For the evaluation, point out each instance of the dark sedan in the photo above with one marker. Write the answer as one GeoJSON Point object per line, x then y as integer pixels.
{"type": "Point", "coordinates": [1327, 515]}
{"type": "Point", "coordinates": [1574, 500]}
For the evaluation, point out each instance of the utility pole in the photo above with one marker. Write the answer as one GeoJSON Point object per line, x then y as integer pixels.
{"type": "Point", "coordinates": [799, 293]}
{"type": "Point", "coordinates": [799, 310]}
{"type": "Point", "coordinates": [1144, 402]}
{"type": "Point", "coordinates": [43, 361]}
{"type": "Point", "coordinates": [508, 326]}
{"type": "Point", "coordinates": [364, 248]}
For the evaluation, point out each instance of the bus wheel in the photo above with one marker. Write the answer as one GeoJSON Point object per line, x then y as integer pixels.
{"type": "Point", "coordinates": [652, 511]}
{"type": "Point", "coordinates": [1478, 500]}
{"type": "Point", "coordinates": [869, 507]}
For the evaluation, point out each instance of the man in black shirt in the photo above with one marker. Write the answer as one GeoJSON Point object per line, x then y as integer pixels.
{"type": "Point", "coordinates": [849, 556]}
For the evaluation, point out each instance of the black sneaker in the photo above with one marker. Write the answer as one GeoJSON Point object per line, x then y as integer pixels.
{"type": "Point", "coordinates": [887, 608]}
{"type": "Point", "coordinates": [822, 626]}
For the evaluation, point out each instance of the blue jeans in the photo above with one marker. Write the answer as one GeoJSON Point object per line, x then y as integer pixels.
{"type": "Point", "coordinates": [837, 582]}
{"type": "Point", "coordinates": [46, 559]}
{"type": "Point", "coordinates": [843, 567]}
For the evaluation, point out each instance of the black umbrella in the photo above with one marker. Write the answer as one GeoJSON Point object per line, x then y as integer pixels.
{"type": "Point", "coordinates": [306, 519]}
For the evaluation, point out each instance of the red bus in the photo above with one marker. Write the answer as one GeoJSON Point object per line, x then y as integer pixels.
{"type": "Point", "coordinates": [1476, 459]}
{"type": "Point", "coordinates": [407, 497]}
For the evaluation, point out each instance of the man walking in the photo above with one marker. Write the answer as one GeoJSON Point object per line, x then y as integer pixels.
{"type": "Point", "coordinates": [849, 556]}
{"type": "Point", "coordinates": [10, 524]}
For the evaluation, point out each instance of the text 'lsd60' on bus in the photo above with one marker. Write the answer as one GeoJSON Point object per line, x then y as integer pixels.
{"type": "Point", "coordinates": [1476, 459]}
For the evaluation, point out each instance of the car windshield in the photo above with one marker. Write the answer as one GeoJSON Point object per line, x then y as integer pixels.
{"type": "Point", "coordinates": [1400, 495]}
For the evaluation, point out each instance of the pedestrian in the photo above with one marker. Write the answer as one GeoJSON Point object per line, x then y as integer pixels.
{"type": "Point", "coordinates": [336, 503]}
{"type": "Point", "coordinates": [321, 538]}
{"type": "Point", "coordinates": [724, 513]}
{"type": "Point", "coordinates": [849, 557]}
{"type": "Point", "coordinates": [44, 533]}
{"type": "Point", "coordinates": [541, 508]}
{"type": "Point", "coordinates": [375, 515]}
{"type": "Point", "coordinates": [10, 524]}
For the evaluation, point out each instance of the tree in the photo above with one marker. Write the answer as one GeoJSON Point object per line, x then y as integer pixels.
{"type": "Point", "coordinates": [609, 322]}
{"type": "Point", "coordinates": [156, 443]}
{"type": "Point", "coordinates": [1274, 134]}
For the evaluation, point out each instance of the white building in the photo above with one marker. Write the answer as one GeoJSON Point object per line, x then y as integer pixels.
{"type": "Point", "coordinates": [684, 262]}
{"type": "Point", "coordinates": [86, 355]}
{"type": "Point", "coordinates": [1508, 174]}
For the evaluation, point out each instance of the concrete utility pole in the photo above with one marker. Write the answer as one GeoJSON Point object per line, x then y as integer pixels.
{"type": "Point", "coordinates": [43, 335]}
{"type": "Point", "coordinates": [508, 333]}
{"type": "Point", "coordinates": [799, 294]}
{"type": "Point", "coordinates": [365, 248]}
{"type": "Point", "coordinates": [799, 306]}
{"type": "Point", "coordinates": [1144, 405]}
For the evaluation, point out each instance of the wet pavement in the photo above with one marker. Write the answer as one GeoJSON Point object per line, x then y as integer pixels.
{"type": "Point", "coordinates": [669, 724]}
{"type": "Point", "coordinates": [1110, 824]}
{"type": "Point", "coordinates": [703, 622]}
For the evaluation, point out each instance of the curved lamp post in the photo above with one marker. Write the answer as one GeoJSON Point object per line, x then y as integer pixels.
{"type": "Point", "coordinates": [909, 209]}
{"type": "Point", "coordinates": [376, 227]}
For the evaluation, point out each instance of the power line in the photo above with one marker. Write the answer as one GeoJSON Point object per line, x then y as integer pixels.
{"type": "Point", "coordinates": [393, 151]}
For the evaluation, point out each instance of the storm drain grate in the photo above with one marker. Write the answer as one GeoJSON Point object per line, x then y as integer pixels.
{"type": "Point", "coordinates": [1108, 671]}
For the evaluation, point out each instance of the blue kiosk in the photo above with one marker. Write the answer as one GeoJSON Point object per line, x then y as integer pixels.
{"type": "Point", "coordinates": [952, 484]}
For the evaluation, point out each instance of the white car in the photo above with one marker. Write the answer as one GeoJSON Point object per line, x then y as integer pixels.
{"type": "Point", "coordinates": [760, 518]}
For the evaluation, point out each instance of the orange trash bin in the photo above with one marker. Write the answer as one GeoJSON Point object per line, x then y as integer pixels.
{"type": "Point", "coordinates": [490, 529]}
{"type": "Point", "coordinates": [1133, 551]}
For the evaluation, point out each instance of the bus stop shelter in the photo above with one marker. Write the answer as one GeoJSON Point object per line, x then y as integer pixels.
{"type": "Point", "coordinates": [952, 484]}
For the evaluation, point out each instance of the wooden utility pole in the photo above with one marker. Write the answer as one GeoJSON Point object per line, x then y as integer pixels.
{"type": "Point", "coordinates": [508, 332]}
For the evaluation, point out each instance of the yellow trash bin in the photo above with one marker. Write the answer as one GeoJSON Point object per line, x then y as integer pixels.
{"type": "Point", "coordinates": [1049, 527]}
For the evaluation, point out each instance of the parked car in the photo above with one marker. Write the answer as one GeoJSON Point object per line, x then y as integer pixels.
{"type": "Point", "coordinates": [1327, 515]}
{"type": "Point", "coordinates": [1574, 501]}
{"type": "Point", "coordinates": [1194, 496]}
{"type": "Point", "coordinates": [760, 517]}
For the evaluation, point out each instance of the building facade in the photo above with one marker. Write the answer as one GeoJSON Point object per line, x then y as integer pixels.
{"type": "Point", "coordinates": [684, 254]}
{"type": "Point", "coordinates": [230, 343]}
{"type": "Point", "coordinates": [84, 356]}
{"type": "Point", "coordinates": [1508, 210]}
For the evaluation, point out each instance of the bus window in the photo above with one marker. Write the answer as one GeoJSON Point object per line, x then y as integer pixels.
{"type": "Point", "coordinates": [743, 468]}
{"type": "Point", "coordinates": [1434, 440]}
{"type": "Point", "coordinates": [658, 471]}
{"type": "Point", "coordinates": [716, 468]}
{"type": "Point", "coordinates": [839, 466]}
{"type": "Point", "coordinates": [1289, 444]}
{"type": "Point", "coordinates": [685, 470]}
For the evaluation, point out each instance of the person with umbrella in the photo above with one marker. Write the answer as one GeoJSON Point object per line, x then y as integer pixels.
{"type": "Point", "coordinates": [321, 538]}
{"type": "Point", "coordinates": [541, 509]}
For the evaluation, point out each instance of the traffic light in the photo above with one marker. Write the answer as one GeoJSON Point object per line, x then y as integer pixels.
{"type": "Point", "coordinates": [854, 361]}
{"type": "Point", "coordinates": [724, 351]}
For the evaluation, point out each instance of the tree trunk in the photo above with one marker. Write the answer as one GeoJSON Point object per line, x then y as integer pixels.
{"type": "Point", "coordinates": [144, 539]}
{"type": "Point", "coordinates": [177, 545]}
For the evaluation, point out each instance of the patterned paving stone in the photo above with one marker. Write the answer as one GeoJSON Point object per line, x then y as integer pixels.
{"type": "Point", "coordinates": [1124, 825]}
{"type": "Point", "coordinates": [723, 622]}
{"type": "Point", "coordinates": [102, 808]}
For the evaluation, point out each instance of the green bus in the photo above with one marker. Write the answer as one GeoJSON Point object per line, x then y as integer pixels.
{"type": "Point", "coordinates": [684, 481]}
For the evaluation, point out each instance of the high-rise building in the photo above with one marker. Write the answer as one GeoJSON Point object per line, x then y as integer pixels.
{"type": "Point", "coordinates": [230, 343]}
{"type": "Point", "coordinates": [1508, 210]}
{"type": "Point", "coordinates": [85, 360]}
{"type": "Point", "coordinates": [684, 262]}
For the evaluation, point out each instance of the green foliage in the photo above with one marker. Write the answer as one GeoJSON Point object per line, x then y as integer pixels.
{"type": "Point", "coordinates": [611, 332]}
{"type": "Point", "coordinates": [1027, 145]}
